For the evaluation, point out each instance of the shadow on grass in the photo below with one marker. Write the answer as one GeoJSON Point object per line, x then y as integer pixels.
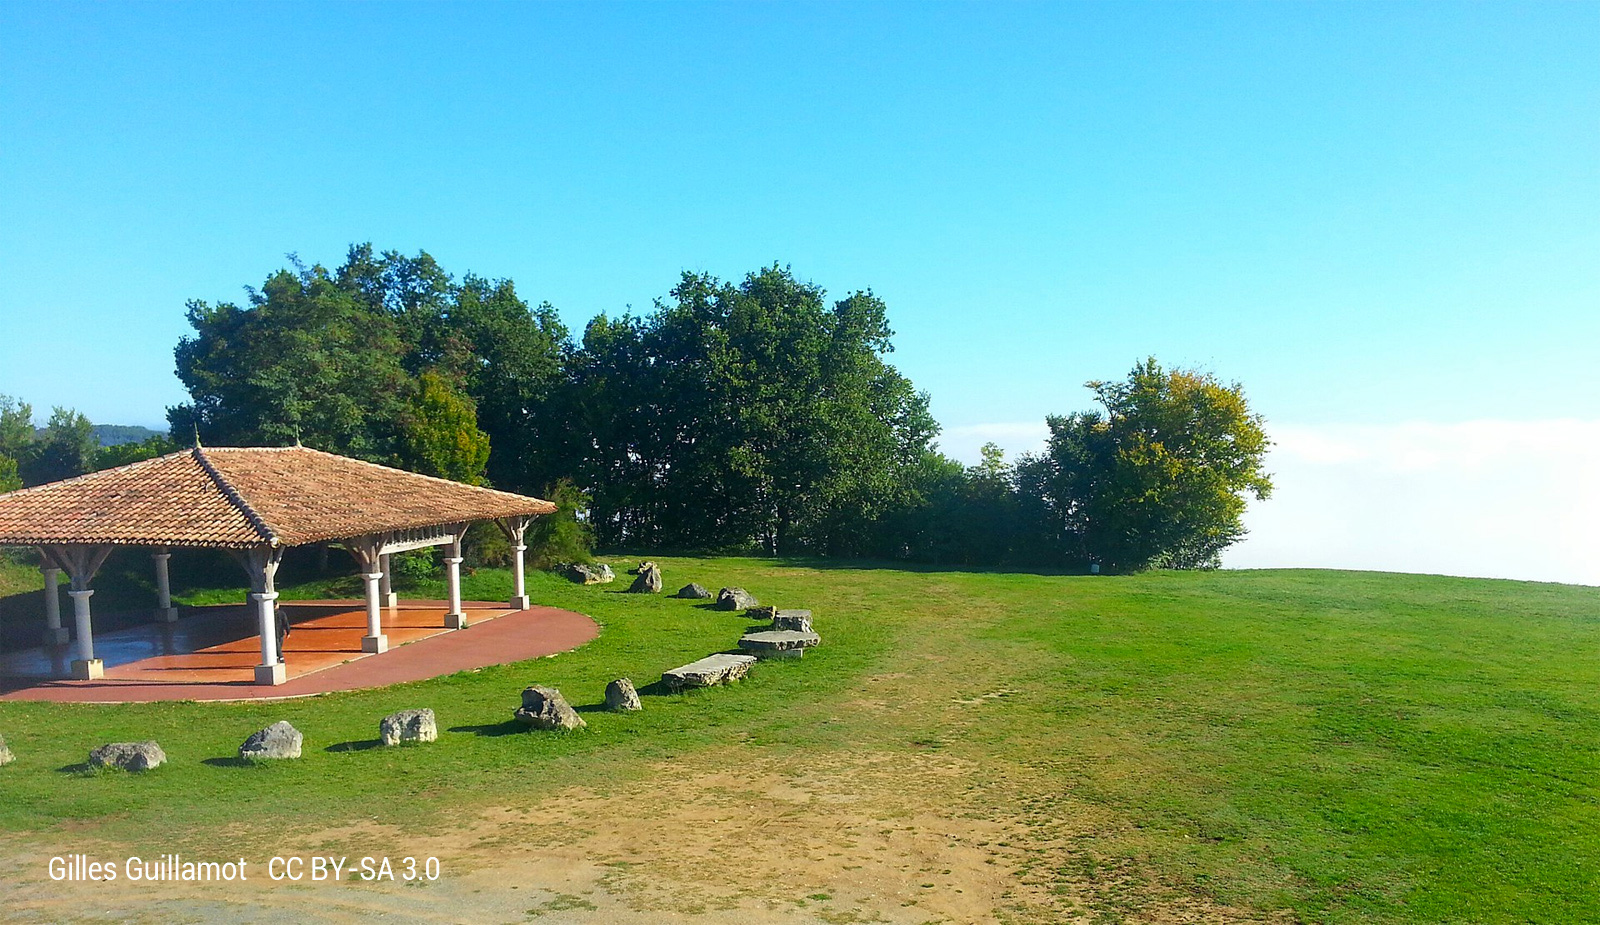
{"type": "Point", "coordinates": [357, 746]}
{"type": "Point", "coordinates": [493, 730]}
{"type": "Point", "coordinates": [656, 688]}
{"type": "Point", "coordinates": [234, 762]}
{"type": "Point", "coordinates": [82, 767]}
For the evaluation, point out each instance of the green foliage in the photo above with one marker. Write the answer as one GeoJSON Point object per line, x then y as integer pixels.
{"type": "Point", "coordinates": [121, 454]}
{"type": "Point", "coordinates": [414, 566]}
{"type": "Point", "coordinates": [16, 427]}
{"type": "Point", "coordinates": [439, 433]}
{"type": "Point", "coordinates": [564, 536]}
{"type": "Point", "coordinates": [9, 479]}
{"type": "Point", "coordinates": [745, 414]}
{"type": "Point", "coordinates": [65, 448]}
{"type": "Point", "coordinates": [305, 360]}
{"type": "Point", "coordinates": [1160, 478]}
{"type": "Point", "coordinates": [117, 434]}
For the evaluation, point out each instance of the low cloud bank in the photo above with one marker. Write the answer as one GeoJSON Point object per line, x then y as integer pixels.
{"type": "Point", "coordinates": [1494, 499]}
{"type": "Point", "coordinates": [1497, 499]}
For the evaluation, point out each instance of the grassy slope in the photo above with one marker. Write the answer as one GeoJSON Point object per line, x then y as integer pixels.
{"type": "Point", "coordinates": [1355, 746]}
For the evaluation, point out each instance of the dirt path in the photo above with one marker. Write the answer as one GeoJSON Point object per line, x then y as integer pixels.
{"type": "Point", "coordinates": [850, 838]}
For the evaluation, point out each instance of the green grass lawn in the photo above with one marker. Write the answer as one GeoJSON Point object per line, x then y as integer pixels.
{"type": "Point", "coordinates": [1351, 746]}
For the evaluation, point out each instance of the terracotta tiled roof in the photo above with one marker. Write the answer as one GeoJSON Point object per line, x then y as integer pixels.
{"type": "Point", "coordinates": [237, 497]}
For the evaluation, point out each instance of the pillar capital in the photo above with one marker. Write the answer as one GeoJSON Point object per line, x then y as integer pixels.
{"type": "Point", "coordinates": [371, 576]}
{"type": "Point", "coordinates": [83, 595]}
{"type": "Point", "coordinates": [263, 596]}
{"type": "Point", "coordinates": [521, 547]}
{"type": "Point", "coordinates": [50, 571]}
{"type": "Point", "coordinates": [163, 556]}
{"type": "Point", "coordinates": [453, 560]}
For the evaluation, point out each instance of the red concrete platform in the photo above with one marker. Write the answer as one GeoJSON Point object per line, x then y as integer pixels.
{"type": "Point", "coordinates": [211, 653]}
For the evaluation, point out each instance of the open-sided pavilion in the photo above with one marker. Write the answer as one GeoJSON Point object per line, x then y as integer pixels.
{"type": "Point", "coordinates": [253, 502]}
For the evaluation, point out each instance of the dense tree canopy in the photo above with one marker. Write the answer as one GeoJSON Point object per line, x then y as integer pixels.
{"type": "Point", "coordinates": [748, 415]}
{"type": "Point", "coordinates": [744, 414]}
{"type": "Point", "coordinates": [1160, 477]}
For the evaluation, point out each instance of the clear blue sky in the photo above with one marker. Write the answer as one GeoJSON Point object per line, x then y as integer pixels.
{"type": "Point", "coordinates": [1367, 213]}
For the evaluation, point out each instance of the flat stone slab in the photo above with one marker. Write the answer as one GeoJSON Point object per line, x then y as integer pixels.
{"type": "Point", "coordinates": [779, 643]}
{"type": "Point", "coordinates": [711, 670]}
{"type": "Point", "coordinates": [799, 620]}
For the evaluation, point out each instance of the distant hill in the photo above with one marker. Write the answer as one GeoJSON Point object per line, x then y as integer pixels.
{"type": "Point", "coordinates": [118, 434]}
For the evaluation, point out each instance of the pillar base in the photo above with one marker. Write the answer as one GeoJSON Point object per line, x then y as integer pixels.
{"type": "Point", "coordinates": [56, 636]}
{"type": "Point", "coordinates": [167, 614]}
{"type": "Point", "coordinates": [88, 669]}
{"type": "Point", "coordinates": [272, 674]}
{"type": "Point", "coordinates": [521, 603]}
{"type": "Point", "coordinates": [375, 644]}
{"type": "Point", "coordinates": [391, 599]}
{"type": "Point", "coordinates": [455, 621]}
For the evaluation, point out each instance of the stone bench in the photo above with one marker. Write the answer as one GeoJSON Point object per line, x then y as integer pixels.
{"type": "Point", "coordinates": [711, 670]}
{"type": "Point", "coordinates": [778, 643]}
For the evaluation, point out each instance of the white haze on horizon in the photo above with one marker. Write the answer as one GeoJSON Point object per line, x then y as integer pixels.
{"type": "Point", "coordinates": [1490, 499]}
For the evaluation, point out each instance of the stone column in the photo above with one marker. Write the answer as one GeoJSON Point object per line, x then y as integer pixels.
{"type": "Point", "coordinates": [164, 609]}
{"type": "Point", "coordinates": [519, 588]}
{"type": "Point", "coordinates": [85, 667]}
{"type": "Point", "coordinates": [270, 671]}
{"type": "Point", "coordinates": [375, 640]}
{"type": "Point", "coordinates": [386, 588]}
{"type": "Point", "coordinates": [54, 633]}
{"type": "Point", "coordinates": [455, 619]}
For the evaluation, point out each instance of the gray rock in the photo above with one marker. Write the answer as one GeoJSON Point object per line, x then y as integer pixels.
{"type": "Point", "coordinates": [545, 708]}
{"type": "Point", "coordinates": [408, 726]}
{"type": "Point", "coordinates": [694, 592]}
{"type": "Point", "coordinates": [639, 569]}
{"type": "Point", "coordinates": [129, 756]}
{"type": "Point", "coordinates": [5, 753]}
{"type": "Point", "coordinates": [797, 620]}
{"type": "Point", "coordinates": [588, 574]}
{"type": "Point", "coordinates": [762, 613]}
{"type": "Point", "coordinates": [778, 643]}
{"type": "Point", "coordinates": [713, 669]}
{"type": "Point", "coordinates": [621, 697]}
{"type": "Point", "coordinates": [279, 740]}
{"type": "Point", "coordinates": [735, 599]}
{"type": "Point", "coordinates": [649, 580]}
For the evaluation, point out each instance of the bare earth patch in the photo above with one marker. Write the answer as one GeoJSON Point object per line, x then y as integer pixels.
{"type": "Point", "coordinates": [849, 838]}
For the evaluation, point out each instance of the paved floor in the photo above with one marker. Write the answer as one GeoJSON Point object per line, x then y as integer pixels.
{"type": "Point", "coordinates": [211, 652]}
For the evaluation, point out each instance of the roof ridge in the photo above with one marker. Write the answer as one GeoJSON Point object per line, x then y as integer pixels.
{"type": "Point", "coordinates": [88, 475]}
{"type": "Point", "coordinates": [233, 496]}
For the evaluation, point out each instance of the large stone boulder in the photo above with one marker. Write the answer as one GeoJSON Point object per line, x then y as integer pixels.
{"type": "Point", "coordinates": [639, 569]}
{"type": "Point", "coordinates": [796, 620]}
{"type": "Point", "coordinates": [545, 708]}
{"type": "Point", "coordinates": [621, 697]}
{"type": "Point", "coordinates": [589, 574]}
{"type": "Point", "coordinates": [279, 740]}
{"type": "Point", "coordinates": [408, 726]}
{"type": "Point", "coordinates": [762, 613]}
{"type": "Point", "coordinates": [711, 670]}
{"type": "Point", "coordinates": [694, 592]}
{"type": "Point", "coordinates": [736, 599]}
{"type": "Point", "coordinates": [129, 756]}
{"type": "Point", "coordinates": [649, 580]}
{"type": "Point", "coordinates": [5, 753]}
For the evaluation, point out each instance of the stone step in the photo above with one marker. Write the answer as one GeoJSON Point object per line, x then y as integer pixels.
{"type": "Point", "coordinates": [779, 643]}
{"type": "Point", "coordinates": [713, 669]}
